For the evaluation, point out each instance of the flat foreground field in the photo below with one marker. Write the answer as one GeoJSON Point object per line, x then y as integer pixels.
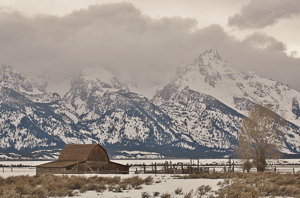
{"type": "Point", "coordinates": [155, 185]}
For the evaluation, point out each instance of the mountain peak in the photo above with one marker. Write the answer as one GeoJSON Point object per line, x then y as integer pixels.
{"type": "Point", "coordinates": [11, 78]}
{"type": "Point", "coordinates": [212, 54]}
{"type": "Point", "coordinates": [207, 57]}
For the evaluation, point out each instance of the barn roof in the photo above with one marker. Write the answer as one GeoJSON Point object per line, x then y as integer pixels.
{"type": "Point", "coordinates": [77, 152]}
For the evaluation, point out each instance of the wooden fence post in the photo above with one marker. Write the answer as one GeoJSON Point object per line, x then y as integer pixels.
{"type": "Point", "coordinates": [230, 164]}
{"type": "Point", "coordinates": [155, 167]}
{"type": "Point", "coordinates": [182, 172]}
{"type": "Point", "coordinates": [77, 168]}
{"type": "Point", "coordinates": [167, 166]}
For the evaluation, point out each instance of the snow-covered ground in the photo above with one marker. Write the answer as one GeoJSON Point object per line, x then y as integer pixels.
{"type": "Point", "coordinates": [163, 183]}
{"type": "Point", "coordinates": [168, 185]}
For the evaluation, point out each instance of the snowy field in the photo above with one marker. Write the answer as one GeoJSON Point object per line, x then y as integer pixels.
{"type": "Point", "coordinates": [167, 185]}
{"type": "Point", "coordinates": [163, 183]}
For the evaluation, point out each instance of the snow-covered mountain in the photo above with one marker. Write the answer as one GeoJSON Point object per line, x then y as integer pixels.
{"type": "Point", "coordinates": [210, 79]}
{"type": "Point", "coordinates": [197, 114]}
{"type": "Point", "coordinates": [210, 75]}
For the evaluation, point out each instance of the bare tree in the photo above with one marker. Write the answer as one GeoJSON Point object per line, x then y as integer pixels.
{"type": "Point", "coordinates": [260, 137]}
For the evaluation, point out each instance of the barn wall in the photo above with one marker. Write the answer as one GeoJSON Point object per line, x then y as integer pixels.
{"type": "Point", "coordinates": [121, 168]}
{"type": "Point", "coordinates": [97, 161]}
{"type": "Point", "coordinates": [41, 170]}
{"type": "Point", "coordinates": [98, 164]}
{"type": "Point", "coordinates": [98, 154]}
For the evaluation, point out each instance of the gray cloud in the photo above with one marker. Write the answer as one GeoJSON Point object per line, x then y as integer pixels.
{"type": "Point", "coordinates": [262, 13]}
{"type": "Point", "coordinates": [261, 40]}
{"type": "Point", "coordinates": [122, 39]}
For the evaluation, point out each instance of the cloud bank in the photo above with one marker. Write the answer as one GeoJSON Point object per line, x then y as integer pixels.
{"type": "Point", "coordinates": [263, 13]}
{"type": "Point", "coordinates": [122, 39]}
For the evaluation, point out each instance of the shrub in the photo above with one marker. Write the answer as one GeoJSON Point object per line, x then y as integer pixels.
{"type": "Point", "coordinates": [189, 194]}
{"type": "Point", "coordinates": [135, 182]}
{"type": "Point", "coordinates": [39, 192]}
{"type": "Point", "coordinates": [261, 185]}
{"type": "Point", "coordinates": [92, 186]}
{"type": "Point", "coordinates": [165, 195]}
{"type": "Point", "coordinates": [118, 189]}
{"type": "Point", "coordinates": [101, 188]}
{"type": "Point", "coordinates": [22, 189]}
{"type": "Point", "coordinates": [148, 180]}
{"type": "Point", "coordinates": [111, 187]}
{"type": "Point", "coordinates": [202, 190]}
{"type": "Point", "coordinates": [178, 191]}
{"type": "Point", "coordinates": [124, 185]}
{"type": "Point", "coordinates": [74, 185]}
{"type": "Point", "coordinates": [145, 195]}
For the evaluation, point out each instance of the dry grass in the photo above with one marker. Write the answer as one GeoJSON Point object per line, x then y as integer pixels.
{"type": "Point", "coordinates": [261, 185]}
{"type": "Point", "coordinates": [239, 185]}
{"type": "Point", "coordinates": [61, 186]}
{"type": "Point", "coordinates": [235, 185]}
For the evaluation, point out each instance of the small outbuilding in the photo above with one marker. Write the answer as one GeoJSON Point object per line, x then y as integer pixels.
{"type": "Point", "coordinates": [82, 158]}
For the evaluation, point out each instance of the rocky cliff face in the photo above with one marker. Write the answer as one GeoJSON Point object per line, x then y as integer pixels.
{"type": "Point", "coordinates": [196, 115]}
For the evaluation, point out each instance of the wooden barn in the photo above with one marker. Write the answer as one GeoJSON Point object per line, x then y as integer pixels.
{"type": "Point", "coordinates": [82, 158]}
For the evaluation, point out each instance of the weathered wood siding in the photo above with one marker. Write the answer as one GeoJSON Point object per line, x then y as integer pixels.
{"type": "Point", "coordinates": [40, 170]}
{"type": "Point", "coordinates": [95, 165]}
{"type": "Point", "coordinates": [90, 158]}
{"type": "Point", "coordinates": [119, 167]}
{"type": "Point", "coordinates": [98, 154]}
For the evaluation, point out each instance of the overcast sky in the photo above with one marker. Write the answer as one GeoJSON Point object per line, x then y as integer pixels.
{"type": "Point", "coordinates": [147, 39]}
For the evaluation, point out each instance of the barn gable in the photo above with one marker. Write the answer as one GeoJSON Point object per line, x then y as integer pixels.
{"type": "Point", "coordinates": [83, 152]}
{"type": "Point", "coordinates": [82, 158]}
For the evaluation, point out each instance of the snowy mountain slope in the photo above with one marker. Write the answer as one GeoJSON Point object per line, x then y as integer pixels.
{"type": "Point", "coordinates": [31, 85]}
{"type": "Point", "coordinates": [210, 75]}
{"type": "Point", "coordinates": [92, 111]}
{"type": "Point", "coordinates": [19, 129]}
{"type": "Point", "coordinates": [112, 115]}
{"type": "Point", "coordinates": [197, 114]}
{"type": "Point", "coordinates": [87, 89]}
{"type": "Point", "coordinates": [12, 79]}
{"type": "Point", "coordinates": [202, 118]}
{"type": "Point", "coordinates": [187, 97]}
